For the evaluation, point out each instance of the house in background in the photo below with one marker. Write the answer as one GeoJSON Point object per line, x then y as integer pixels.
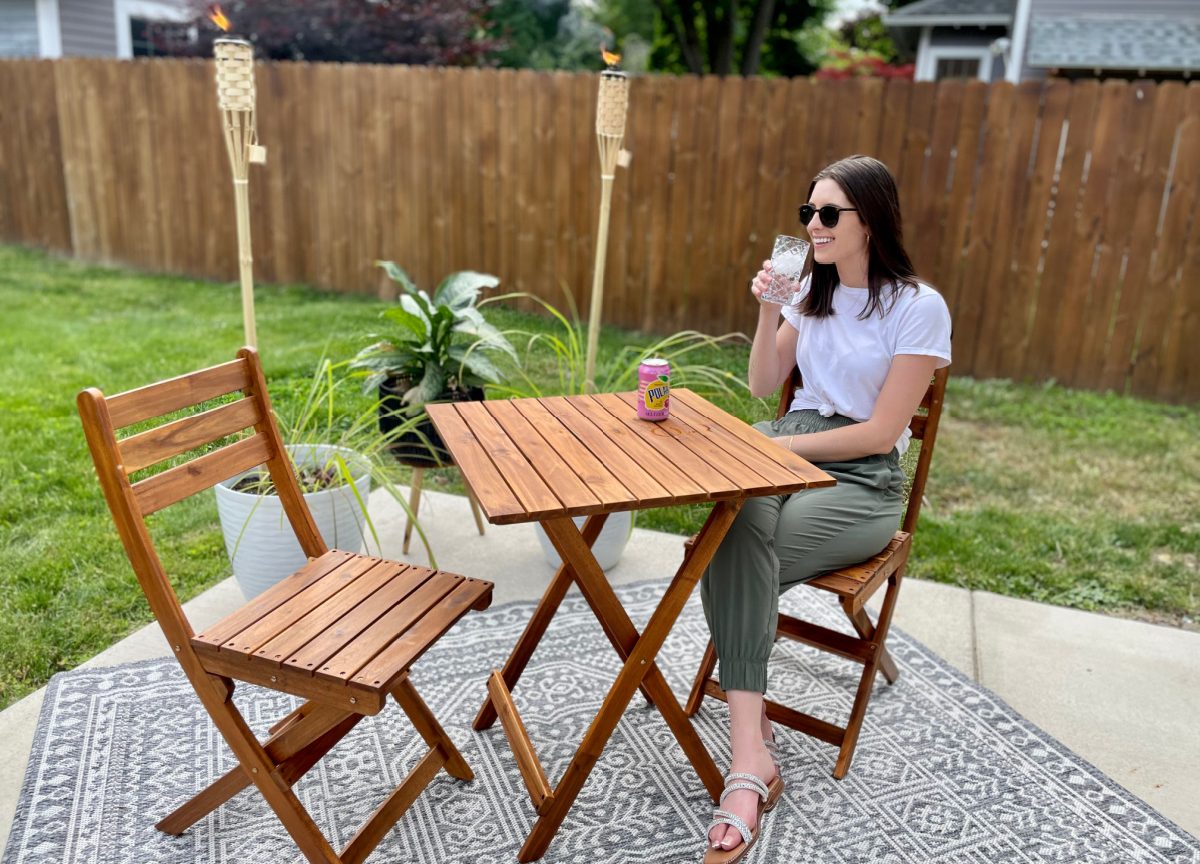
{"type": "Point", "coordinates": [69, 28]}
{"type": "Point", "coordinates": [1017, 40]}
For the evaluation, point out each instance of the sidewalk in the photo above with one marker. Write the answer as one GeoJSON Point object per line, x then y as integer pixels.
{"type": "Point", "coordinates": [1123, 694]}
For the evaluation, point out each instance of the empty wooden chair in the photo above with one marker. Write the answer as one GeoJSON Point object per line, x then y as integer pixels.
{"type": "Point", "coordinates": [340, 633]}
{"type": "Point", "coordinates": [853, 586]}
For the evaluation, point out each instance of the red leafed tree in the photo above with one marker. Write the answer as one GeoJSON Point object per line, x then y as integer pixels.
{"type": "Point", "coordinates": [416, 32]}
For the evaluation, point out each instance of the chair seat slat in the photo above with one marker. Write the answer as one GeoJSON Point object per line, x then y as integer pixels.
{"type": "Point", "coordinates": [316, 652]}
{"type": "Point", "coordinates": [175, 484]}
{"type": "Point", "coordinates": [296, 608]}
{"type": "Point", "coordinates": [155, 400]}
{"type": "Point", "coordinates": [229, 626]}
{"type": "Point", "coordinates": [406, 650]}
{"type": "Point", "coordinates": [365, 646]}
{"type": "Point", "coordinates": [326, 616]}
{"type": "Point", "coordinates": [156, 445]}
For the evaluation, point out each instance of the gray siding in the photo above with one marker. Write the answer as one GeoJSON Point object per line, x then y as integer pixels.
{"type": "Point", "coordinates": [18, 28]}
{"type": "Point", "coordinates": [88, 27]}
{"type": "Point", "coordinates": [1191, 8]}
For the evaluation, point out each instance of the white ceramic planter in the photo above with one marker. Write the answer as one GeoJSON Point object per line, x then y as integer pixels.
{"type": "Point", "coordinates": [258, 537]}
{"type": "Point", "coordinates": [608, 546]}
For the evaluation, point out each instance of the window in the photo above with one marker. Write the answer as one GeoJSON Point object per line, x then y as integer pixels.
{"type": "Point", "coordinates": [956, 67]}
{"type": "Point", "coordinates": [139, 38]}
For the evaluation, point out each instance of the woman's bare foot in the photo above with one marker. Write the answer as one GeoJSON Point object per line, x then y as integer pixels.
{"type": "Point", "coordinates": [743, 803]}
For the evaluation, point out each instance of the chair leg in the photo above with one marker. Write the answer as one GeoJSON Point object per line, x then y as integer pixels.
{"type": "Point", "coordinates": [707, 664]}
{"type": "Point", "coordinates": [442, 754]}
{"type": "Point", "coordinates": [866, 630]}
{"type": "Point", "coordinates": [863, 696]}
{"type": "Point", "coordinates": [854, 724]}
{"type": "Point", "coordinates": [430, 730]}
{"type": "Point", "coordinates": [414, 503]}
{"type": "Point", "coordinates": [312, 732]}
{"type": "Point", "coordinates": [265, 774]}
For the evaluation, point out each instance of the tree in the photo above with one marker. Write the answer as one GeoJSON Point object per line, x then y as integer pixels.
{"type": "Point", "coordinates": [545, 34]}
{"type": "Point", "coordinates": [725, 37]}
{"type": "Point", "coordinates": [432, 32]}
{"type": "Point", "coordinates": [861, 47]}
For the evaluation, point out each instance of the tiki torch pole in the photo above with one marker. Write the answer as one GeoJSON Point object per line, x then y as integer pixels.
{"type": "Point", "coordinates": [610, 131]}
{"type": "Point", "coordinates": [235, 98]}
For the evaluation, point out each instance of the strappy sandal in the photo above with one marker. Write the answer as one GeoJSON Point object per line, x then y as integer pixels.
{"type": "Point", "coordinates": [768, 797]}
{"type": "Point", "coordinates": [773, 752]}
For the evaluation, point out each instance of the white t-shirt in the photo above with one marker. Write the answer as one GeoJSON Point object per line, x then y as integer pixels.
{"type": "Point", "coordinates": [844, 360]}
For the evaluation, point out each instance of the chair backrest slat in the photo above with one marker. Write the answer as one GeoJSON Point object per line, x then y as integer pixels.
{"type": "Point", "coordinates": [175, 484]}
{"type": "Point", "coordinates": [156, 445]}
{"type": "Point", "coordinates": [923, 426]}
{"type": "Point", "coordinates": [155, 400]}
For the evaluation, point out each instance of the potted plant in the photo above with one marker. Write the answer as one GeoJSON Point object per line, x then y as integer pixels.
{"type": "Point", "coordinates": [562, 355]}
{"type": "Point", "coordinates": [337, 456]}
{"type": "Point", "coordinates": [438, 350]}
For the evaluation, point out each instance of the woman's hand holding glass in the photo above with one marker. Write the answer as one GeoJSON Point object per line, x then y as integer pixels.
{"type": "Point", "coordinates": [761, 284]}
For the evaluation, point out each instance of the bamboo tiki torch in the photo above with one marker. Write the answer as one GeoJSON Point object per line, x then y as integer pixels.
{"type": "Point", "coordinates": [235, 98]}
{"type": "Point", "coordinates": [611, 108]}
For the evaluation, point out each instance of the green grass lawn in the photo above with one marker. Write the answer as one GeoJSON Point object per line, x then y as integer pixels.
{"type": "Point", "coordinates": [1068, 497]}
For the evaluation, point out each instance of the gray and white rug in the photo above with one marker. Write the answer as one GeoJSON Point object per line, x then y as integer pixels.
{"type": "Point", "coordinates": [945, 771]}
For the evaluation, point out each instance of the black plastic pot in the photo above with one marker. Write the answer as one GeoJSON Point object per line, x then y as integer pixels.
{"type": "Point", "coordinates": [421, 447]}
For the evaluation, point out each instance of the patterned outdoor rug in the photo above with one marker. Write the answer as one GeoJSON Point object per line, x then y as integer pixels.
{"type": "Point", "coordinates": [945, 771]}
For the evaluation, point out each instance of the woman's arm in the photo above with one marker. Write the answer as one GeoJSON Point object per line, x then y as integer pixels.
{"type": "Point", "coordinates": [773, 352]}
{"type": "Point", "coordinates": [902, 392]}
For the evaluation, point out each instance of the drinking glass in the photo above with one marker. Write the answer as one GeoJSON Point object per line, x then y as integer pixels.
{"type": "Point", "coordinates": [787, 265]}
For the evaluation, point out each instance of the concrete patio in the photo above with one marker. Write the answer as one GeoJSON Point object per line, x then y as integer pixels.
{"type": "Point", "coordinates": [1123, 694]}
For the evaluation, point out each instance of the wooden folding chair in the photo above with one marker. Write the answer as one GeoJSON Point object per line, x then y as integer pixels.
{"type": "Point", "coordinates": [340, 633]}
{"type": "Point", "coordinates": [853, 586]}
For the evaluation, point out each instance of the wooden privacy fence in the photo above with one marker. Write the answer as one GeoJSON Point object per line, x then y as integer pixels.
{"type": "Point", "coordinates": [1059, 220]}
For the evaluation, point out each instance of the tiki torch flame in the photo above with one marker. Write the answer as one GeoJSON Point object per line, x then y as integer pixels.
{"type": "Point", "coordinates": [218, 17]}
{"type": "Point", "coordinates": [610, 59]}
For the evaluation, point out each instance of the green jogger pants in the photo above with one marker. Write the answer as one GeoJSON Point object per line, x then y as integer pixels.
{"type": "Point", "coordinates": [779, 541]}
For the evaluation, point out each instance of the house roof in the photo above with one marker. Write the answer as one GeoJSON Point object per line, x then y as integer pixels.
{"type": "Point", "coordinates": [933, 13]}
{"type": "Point", "coordinates": [1115, 42]}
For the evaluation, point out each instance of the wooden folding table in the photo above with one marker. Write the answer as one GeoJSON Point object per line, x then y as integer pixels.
{"type": "Point", "coordinates": [549, 459]}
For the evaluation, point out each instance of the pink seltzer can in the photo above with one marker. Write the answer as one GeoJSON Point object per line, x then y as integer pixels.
{"type": "Point", "coordinates": [654, 389]}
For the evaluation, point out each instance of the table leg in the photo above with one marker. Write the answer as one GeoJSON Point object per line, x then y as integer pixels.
{"type": "Point", "coordinates": [639, 667]}
{"type": "Point", "coordinates": [538, 622]}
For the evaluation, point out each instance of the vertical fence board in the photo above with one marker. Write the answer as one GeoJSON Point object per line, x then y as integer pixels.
{"type": "Point", "coordinates": [1027, 245]}
{"type": "Point", "coordinates": [1156, 318]}
{"type": "Point", "coordinates": [1058, 295]}
{"type": "Point", "coordinates": [1183, 322]}
{"type": "Point", "coordinates": [1135, 291]}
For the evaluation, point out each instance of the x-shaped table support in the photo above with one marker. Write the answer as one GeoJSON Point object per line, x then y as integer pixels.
{"type": "Point", "coordinates": [637, 651]}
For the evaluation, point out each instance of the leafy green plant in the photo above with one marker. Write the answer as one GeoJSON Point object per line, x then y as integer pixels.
{"type": "Point", "coordinates": [328, 415]}
{"type": "Point", "coordinates": [563, 349]}
{"type": "Point", "coordinates": [439, 343]}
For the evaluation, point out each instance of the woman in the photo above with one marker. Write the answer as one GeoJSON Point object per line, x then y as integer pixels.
{"type": "Point", "coordinates": [866, 336]}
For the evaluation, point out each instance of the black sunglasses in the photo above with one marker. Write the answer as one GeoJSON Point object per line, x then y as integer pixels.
{"type": "Point", "coordinates": [830, 214]}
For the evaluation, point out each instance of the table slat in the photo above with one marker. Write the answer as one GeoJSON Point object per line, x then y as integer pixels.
{"type": "Point", "coordinates": [547, 461]}
{"type": "Point", "coordinates": [492, 493]}
{"type": "Point", "coordinates": [522, 478]}
{"type": "Point", "coordinates": [666, 447]}
{"type": "Point", "coordinates": [699, 444]}
{"type": "Point", "coordinates": [649, 491]}
{"type": "Point", "coordinates": [733, 446]}
{"type": "Point", "coordinates": [811, 474]}
{"type": "Point", "coordinates": [644, 456]}
{"type": "Point", "coordinates": [595, 474]}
